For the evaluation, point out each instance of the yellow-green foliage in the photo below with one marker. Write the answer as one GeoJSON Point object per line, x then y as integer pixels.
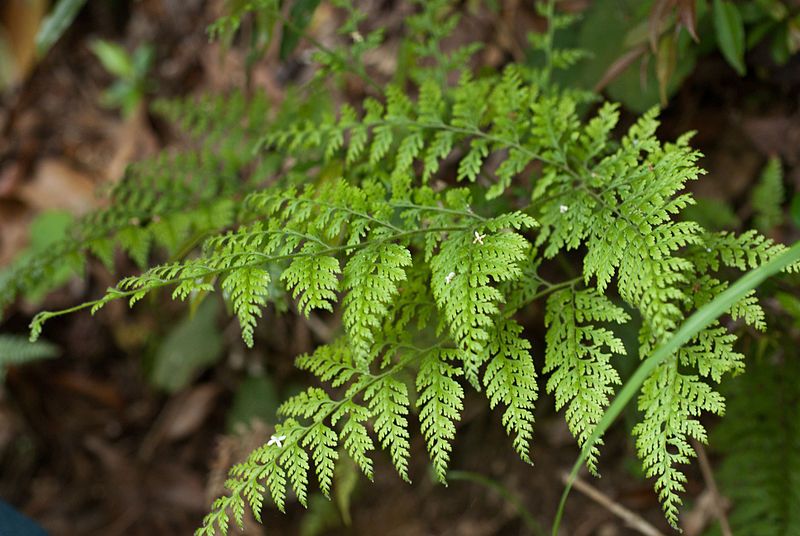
{"type": "Point", "coordinates": [361, 210]}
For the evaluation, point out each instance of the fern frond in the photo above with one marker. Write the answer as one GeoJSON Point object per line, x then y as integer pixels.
{"type": "Point", "coordinates": [440, 402]}
{"type": "Point", "coordinates": [297, 445]}
{"type": "Point", "coordinates": [306, 230]}
{"type": "Point", "coordinates": [578, 356]}
{"type": "Point", "coordinates": [768, 196]}
{"type": "Point", "coordinates": [760, 440]}
{"type": "Point", "coordinates": [169, 200]}
{"type": "Point", "coordinates": [18, 350]}
{"type": "Point", "coordinates": [461, 277]}
{"type": "Point", "coordinates": [313, 277]}
{"type": "Point", "coordinates": [358, 205]}
{"type": "Point", "coordinates": [247, 289]}
{"type": "Point", "coordinates": [745, 251]}
{"type": "Point", "coordinates": [371, 277]}
{"type": "Point", "coordinates": [388, 400]}
{"type": "Point", "coordinates": [355, 437]}
{"type": "Point", "coordinates": [322, 441]}
{"type": "Point", "coordinates": [671, 402]}
{"type": "Point", "coordinates": [510, 380]}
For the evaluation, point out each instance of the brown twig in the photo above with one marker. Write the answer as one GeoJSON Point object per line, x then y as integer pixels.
{"type": "Point", "coordinates": [711, 484]}
{"type": "Point", "coordinates": [619, 66]}
{"type": "Point", "coordinates": [632, 519]}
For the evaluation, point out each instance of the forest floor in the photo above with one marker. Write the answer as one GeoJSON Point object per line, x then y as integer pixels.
{"type": "Point", "coordinates": [89, 446]}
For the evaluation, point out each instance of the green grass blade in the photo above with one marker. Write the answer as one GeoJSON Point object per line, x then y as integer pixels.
{"type": "Point", "coordinates": [693, 325]}
{"type": "Point", "coordinates": [56, 23]}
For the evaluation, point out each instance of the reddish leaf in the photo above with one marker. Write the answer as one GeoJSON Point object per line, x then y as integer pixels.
{"type": "Point", "coordinates": [618, 67]}
{"type": "Point", "coordinates": [655, 24]}
{"type": "Point", "coordinates": [687, 16]}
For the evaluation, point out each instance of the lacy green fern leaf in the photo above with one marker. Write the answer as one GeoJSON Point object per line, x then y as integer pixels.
{"type": "Point", "coordinates": [510, 380]}
{"type": "Point", "coordinates": [247, 289]}
{"type": "Point", "coordinates": [461, 277]}
{"type": "Point", "coordinates": [314, 279]}
{"type": "Point", "coordinates": [360, 204]}
{"type": "Point", "coordinates": [355, 437]}
{"type": "Point", "coordinates": [671, 402]}
{"type": "Point", "coordinates": [18, 350]}
{"type": "Point", "coordinates": [768, 196]}
{"type": "Point", "coordinates": [323, 442]}
{"type": "Point", "coordinates": [169, 200]}
{"type": "Point", "coordinates": [760, 438]}
{"type": "Point", "coordinates": [578, 355]}
{"type": "Point", "coordinates": [371, 277]}
{"type": "Point", "coordinates": [388, 401]}
{"type": "Point", "coordinates": [440, 402]}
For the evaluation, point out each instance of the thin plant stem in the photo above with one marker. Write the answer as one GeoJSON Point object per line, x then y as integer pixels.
{"type": "Point", "coordinates": [701, 319]}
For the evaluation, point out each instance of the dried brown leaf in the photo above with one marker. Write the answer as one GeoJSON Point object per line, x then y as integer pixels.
{"type": "Point", "coordinates": [687, 17]}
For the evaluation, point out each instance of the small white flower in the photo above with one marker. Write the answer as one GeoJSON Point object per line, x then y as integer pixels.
{"type": "Point", "coordinates": [563, 208]}
{"type": "Point", "coordinates": [449, 278]}
{"type": "Point", "coordinates": [708, 250]}
{"type": "Point", "coordinates": [276, 440]}
{"type": "Point", "coordinates": [356, 37]}
{"type": "Point", "coordinates": [478, 238]}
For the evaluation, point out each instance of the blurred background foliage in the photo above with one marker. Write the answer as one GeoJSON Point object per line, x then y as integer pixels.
{"type": "Point", "coordinates": [641, 53]}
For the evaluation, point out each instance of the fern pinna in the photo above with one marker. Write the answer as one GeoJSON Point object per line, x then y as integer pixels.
{"type": "Point", "coordinates": [363, 211]}
{"type": "Point", "coordinates": [760, 438]}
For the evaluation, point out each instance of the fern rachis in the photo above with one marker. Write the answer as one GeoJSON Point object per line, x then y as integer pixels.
{"type": "Point", "coordinates": [410, 257]}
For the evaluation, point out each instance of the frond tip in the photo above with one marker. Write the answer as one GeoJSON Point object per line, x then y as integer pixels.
{"type": "Point", "coordinates": [247, 289]}
{"type": "Point", "coordinates": [510, 380]}
{"type": "Point", "coordinates": [578, 355]}
{"type": "Point", "coordinates": [440, 402]}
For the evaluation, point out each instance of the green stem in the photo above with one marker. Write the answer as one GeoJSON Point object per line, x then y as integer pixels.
{"type": "Point", "coordinates": [115, 293]}
{"type": "Point", "coordinates": [225, 502]}
{"type": "Point", "coordinates": [464, 213]}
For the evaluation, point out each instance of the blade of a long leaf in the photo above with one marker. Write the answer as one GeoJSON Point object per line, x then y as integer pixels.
{"type": "Point", "coordinates": [693, 325]}
{"type": "Point", "coordinates": [56, 24]}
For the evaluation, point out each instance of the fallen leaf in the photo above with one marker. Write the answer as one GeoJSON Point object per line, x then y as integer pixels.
{"type": "Point", "coordinates": [778, 135]}
{"type": "Point", "coordinates": [58, 185]}
{"type": "Point", "coordinates": [14, 221]}
{"type": "Point", "coordinates": [182, 416]}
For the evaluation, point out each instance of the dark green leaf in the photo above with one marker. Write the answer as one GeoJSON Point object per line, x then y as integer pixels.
{"type": "Point", "coordinates": [615, 32]}
{"type": "Point", "coordinates": [729, 28]}
{"type": "Point", "coordinates": [794, 209]}
{"type": "Point", "coordinates": [47, 230]}
{"type": "Point", "coordinates": [191, 345]}
{"type": "Point", "coordinates": [299, 18]}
